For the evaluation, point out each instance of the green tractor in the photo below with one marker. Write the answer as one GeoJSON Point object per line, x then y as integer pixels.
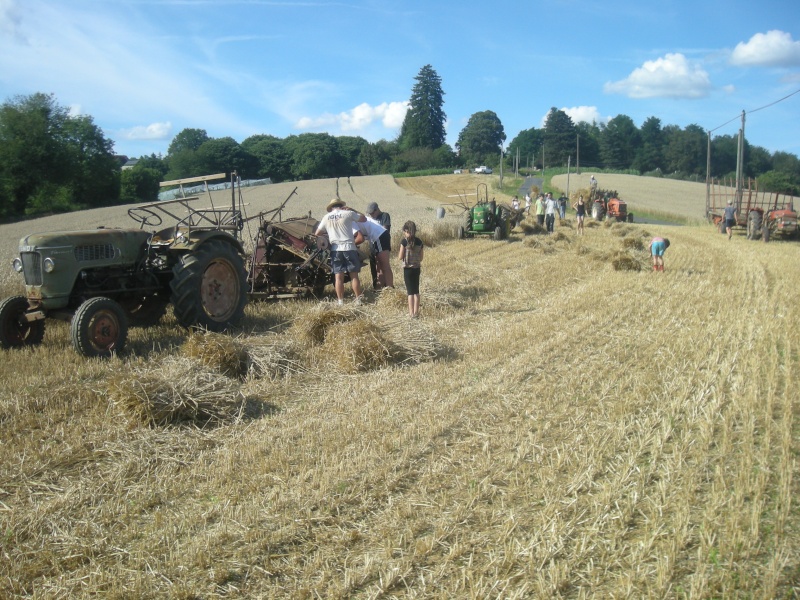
{"type": "Point", "coordinates": [485, 218]}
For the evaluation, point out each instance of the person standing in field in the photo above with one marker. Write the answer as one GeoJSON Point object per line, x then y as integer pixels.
{"type": "Point", "coordinates": [380, 243]}
{"type": "Point", "coordinates": [730, 218]}
{"type": "Point", "coordinates": [527, 204]}
{"type": "Point", "coordinates": [411, 254]}
{"type": "Point", "coordinates": [580, 209]}
{"type": "Point", "coordinates": [593, 186]}
{"type": "Point", "coordinates": [550, 212]}
{"type": "Point", "coordinates": [379, 278]}
{"type": "Point", "coordinates": [658, 246]}
{"type": "Point", "coordinates": [540, 210]}
{"type": "Point", "coordinates": [562, 207]}
{"type": "Point", "coordinates": [338, 226]}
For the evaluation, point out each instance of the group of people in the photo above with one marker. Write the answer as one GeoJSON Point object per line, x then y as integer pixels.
{"type": "Point", "coordinates": [344, 228]}
{"type": "Point", "coordinates": [546, 208]}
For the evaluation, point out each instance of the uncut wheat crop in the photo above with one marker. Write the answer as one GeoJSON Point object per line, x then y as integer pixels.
{"type": "Point", "coordinates": [561, 422]}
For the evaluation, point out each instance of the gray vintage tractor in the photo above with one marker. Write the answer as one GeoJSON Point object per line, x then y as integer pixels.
{"type": "Point", "coordinates": [104, 280]}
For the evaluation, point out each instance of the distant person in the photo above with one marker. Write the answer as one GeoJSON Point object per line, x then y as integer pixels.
{"type": "Point", "coordinates": [411, 254]}
{"type": "Point", "coordinates": [593, 185]}
{"type": "Point", "coordinates": [540, 210]}
{"type": "Point", "coordinates": [730, 218]}
{"type": "Point", "coordinates": [580, 210]}
{"type": "Point", "coordinates": [658, 246]}
{"type": "Point", "coordinates": [549, 212]}
{"type": "Point", "coordinates": [527, 204]}
{"type": "Point", "coordinates": [338, 226]}
{"type": "Point", "coordinates": [562, 207]}
{"type": "Point", "coordinates": [380, 243]}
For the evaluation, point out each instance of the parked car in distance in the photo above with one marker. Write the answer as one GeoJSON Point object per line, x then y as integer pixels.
{"type": "Point", "coordinates": [483, 169]}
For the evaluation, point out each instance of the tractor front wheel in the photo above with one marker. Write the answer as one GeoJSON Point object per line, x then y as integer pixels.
{"type": "Point", "coordinates": [460, 232]}
{"type": "Point", "coordinates": [209, 287]}
{"type": "Point", "coordinates": [15, 330]}
{"type": "Point", "coordinates": [99, 328]}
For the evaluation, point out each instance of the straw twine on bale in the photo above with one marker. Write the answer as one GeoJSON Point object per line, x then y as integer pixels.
{"type": "Point", "coordinates": [177, 391]}
{"type": "Point", "coordinates": [217, 351]}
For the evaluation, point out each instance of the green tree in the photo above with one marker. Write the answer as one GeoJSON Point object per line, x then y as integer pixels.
{"type": "Point", "coordinates": [779, 182]}
{"type": "Point", "coordinates": [650, 154]}
{"type": "Point", "coordinates": [94, 171]}
{"type": "Point", "coordinates": [529, 144]}
{"type": "Point", "coordinates": [139, 184]}
{"type": "Point", "coordinates": [224, 155]}
{"type": "Point", "coordinates": [724, 152]}
{"type": "Point", "coordinates": [154, 161]}
{"type": "Point", "coordinates": [619, 140]}
{"type": "Point", "coordinates": [272, 158]}
{"type": "Point", "coordinates": [423, 126]}
{"type": "Point", "coordinates": [588, 145]}
{"type": "Point", "coordinates": [481, 139]}
{"type": "Point", "coordinates": [314, 155]}
{"type": "Point", "coordinates": [50, 161]}
{"type": "Point", "coordinates": [757, 160]}
{"type": "Point", "coordinates": [349, 149]}
{"type": "Point", "coordinates": [686, 148]}
{"type": "Point", "coordinates": [187, 139]}
{"type": "Point", "coordinates": [376, 158]}
{"type": "Point", "coordinates": [560, 137]}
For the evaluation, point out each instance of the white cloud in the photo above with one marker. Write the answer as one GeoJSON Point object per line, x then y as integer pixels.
{"type": "Point", "coordinates": [772, 49]}
{"type": "Point", "coordinates": [672, 76]}
{"type": "Point", "coordinates": [585, 114]}
{"type": "Point", "coordinates": [358, 119]}
{"type": "Point", "coordinates": [154, 131]}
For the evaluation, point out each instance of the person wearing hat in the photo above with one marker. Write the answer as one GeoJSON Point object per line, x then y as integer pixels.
{"type": "Point", "coordinates": [338, 225]}
{"type": "Point", "coordinates": [730, 218]}
{"type": "Point", "coordinates": [379, 264]}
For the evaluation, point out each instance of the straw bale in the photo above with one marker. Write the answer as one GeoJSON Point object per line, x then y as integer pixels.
{"type": "Point", "coordinates": [392, 298]}
{"type": "Point", "coordinates": [633, 243]}
{"type": "Point", "coordinates": [625, 262]}
{"type": "Point", "coordinates": [217, 351]}
{"type": "Point", "coordinates": [313, 328]}
{"type": "Point", "coordinates": [272, 357]}
{"type": "Point", "coordinates": [591, 223]}
{"type": "Point", "coordinates": [560, 236]}
{"type": "Point", "coordinates": [177, 390]}
{"type": "Point", "coordinates": [357, 346]}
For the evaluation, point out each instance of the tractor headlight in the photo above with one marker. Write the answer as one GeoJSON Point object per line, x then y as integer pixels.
{"type": "Point", "coordinates": [16, 264]}
{"type": "Point", "coordinates": [48, 265]}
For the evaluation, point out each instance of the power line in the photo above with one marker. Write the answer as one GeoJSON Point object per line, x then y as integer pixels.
{"type": "Point", "coordinates": [755, 110]}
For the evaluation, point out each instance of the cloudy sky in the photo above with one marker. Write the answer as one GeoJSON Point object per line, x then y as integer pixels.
{"type": "Point", "coordinates": [146, 69]}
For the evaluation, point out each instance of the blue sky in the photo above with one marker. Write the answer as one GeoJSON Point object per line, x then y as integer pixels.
{"type": "Point", "coordinates": [146, 69]}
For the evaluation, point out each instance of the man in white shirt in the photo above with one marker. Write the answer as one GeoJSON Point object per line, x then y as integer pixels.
{"type": "Point", "coordinates": [380, 245]}
{"type": "Point", "coordinates": [338, 226]}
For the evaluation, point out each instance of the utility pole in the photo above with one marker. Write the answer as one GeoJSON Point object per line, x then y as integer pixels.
{"type": "Point", "coordinates": [708, 175]}
{"type": "Point", "coordinates": [578, 155]}
{"type": "Point", "coordinates": [569, 159]}
{"type": "Point", "coordinates": [740, 168]}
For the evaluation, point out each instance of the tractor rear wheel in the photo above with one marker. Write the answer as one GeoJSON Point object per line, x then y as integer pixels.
{"type": "Point", "coordinates": [209, 287]}
{"type": "Point", "coordinates": [99, 328]}
{"type": "Point", "coordinates": [16, 332]}
{"type": "Point", "coordinates": [753, 225]}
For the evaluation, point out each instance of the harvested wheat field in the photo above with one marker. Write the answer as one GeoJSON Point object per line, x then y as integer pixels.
{"type": "Point", "coordinates": [561, 422]}
{"type": "Point", "coordinates": [666, 197]}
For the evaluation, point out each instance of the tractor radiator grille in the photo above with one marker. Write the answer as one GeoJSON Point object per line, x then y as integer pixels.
{"type": "Point", "coordinates": [32, 267]}
{"type": "Point", "coordinates": [94, 252]}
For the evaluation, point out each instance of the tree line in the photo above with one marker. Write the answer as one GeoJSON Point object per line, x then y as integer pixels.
{"type": "Point", "coordinates": [51, 161]}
